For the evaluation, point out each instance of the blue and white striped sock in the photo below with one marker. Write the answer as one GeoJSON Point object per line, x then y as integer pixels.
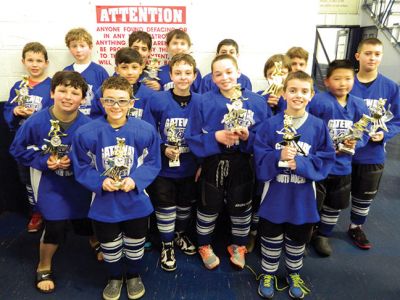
{"type": "Point", "coordinates": [166, 217]}
{"type": "Point", "coordinates": [205, 226]}
{"type": "Point", "coordinates": [271, 249]}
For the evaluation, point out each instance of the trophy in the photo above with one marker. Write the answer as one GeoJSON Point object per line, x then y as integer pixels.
{"type": "Point", "coordinates": [235, 119]}
{"type": "Point", "coordinates": [54, 146]}
{"type": "Point", "coordinates": [353, 133]}
{"type": "Point", "coordinates": [116, 163]}
{"type": "Point", "coordinates": [379, 116]}
{"type": "Point", "coordinates": [133, 111]}
{"type": "Point", "coordinates": [152, 70]}
{"type": "Point", "coordinates": [22, 96]}
{"type": "Point", "coordinates": [290, 138]}
{"type": "Point", "coordinates": [276, 86]}
{"type": "Point", "coordinates": [173, 141]}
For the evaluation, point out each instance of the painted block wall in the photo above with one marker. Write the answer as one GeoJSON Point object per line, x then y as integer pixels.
{"type": "Point", "coordinates": [261, 28]}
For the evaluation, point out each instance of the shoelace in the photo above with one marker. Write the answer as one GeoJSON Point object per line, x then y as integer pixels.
{"type": "Point", "coordinates": [299, 283]}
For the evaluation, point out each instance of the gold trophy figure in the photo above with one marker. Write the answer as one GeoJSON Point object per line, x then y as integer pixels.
{"type": "Point", "coordinates": [152, 70]}
{"type": "Point", "coordinates": [276, 86]}
{"type": "Point", "coordinates": [173, 141]}
{"type": "Point", "coordinates": [290, 138]}
{"type": "Point", "coordinates": [354, 133]}
{"type": "Point", "coordinates": [117, 163]}
{"type": "Point", "coordinates": [234, 120]}
{"type": "Point", "coordinates": [54, 146]}
{"type": "Point", "coordinates": [379, 116]}
{"type": "Point", "coordinates": [22, 96]}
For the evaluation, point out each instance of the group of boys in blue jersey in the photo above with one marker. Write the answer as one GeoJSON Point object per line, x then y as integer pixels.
{"type": "Point", "coordinates": [104, 153]}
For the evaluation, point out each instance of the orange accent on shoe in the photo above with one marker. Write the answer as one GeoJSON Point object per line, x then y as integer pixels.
{"type": "Point", "coordinates": [208, 256]}
{"type": "Point", "coordinates": [35, 223]}
{"type": "Point", "coordinates": [237, 254]}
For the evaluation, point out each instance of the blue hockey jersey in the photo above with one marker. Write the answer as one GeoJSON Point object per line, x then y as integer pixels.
{"type": "Point", "coordinates": [94, 76]}
{"type": "Point", "coordinates": [206, 117]}
{"type": "Point", "coordinates": [94, 144]}
{"type": "Point", "coordinates": [165, 112]}
{"type": "Point", "coordinates": [339, 119]}
{"type": "Point", "coordinates": [59, 196]}
{"type": "Point", "coordinates": [382, 87]}
{"type": "Point", "coordinates": [289, 196]}
{"type": "Point", "coordinates": [39, 98]}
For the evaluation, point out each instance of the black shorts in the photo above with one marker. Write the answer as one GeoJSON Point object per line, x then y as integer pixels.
{"type": "Point", "coordinates": [365, 180]}
{"type": "Point", "coordinates": [227, 177]}
{"type": "Point", "coordinates": [167, 192]}
{"type": "Point", "coordinates": [55, 231]}
{"type": "Point", "coordinates": [334, 191]}
{"type": "Point", "coordinates": [299, 233]}
{"type": "Point", "coordinates": [108, 232]}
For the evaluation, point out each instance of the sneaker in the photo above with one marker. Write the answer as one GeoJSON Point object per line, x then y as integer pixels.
{"type": "Point", "coordinates": [359, 238]}
{"type": "Point", "coordinates": [210, 260]}
{"type": "Point", "coordinates": [297, 287]}
{"type": "Point", "coordinates": [135, 288]}
{"type": "Point", "coordinates": [266, 286]}
{"type": "Point", "coordinates": [237, 255]}
{"type": "Point", "coordinates": [112, 291]}
{"type": "Point", "coordinates": [168, 261]}
{"type": "Point", "coordinates": [36, 222]}
{"type": "Point", "coordinates": [186, 245]}
{"type": "Point", "coordinates": [321, 245]}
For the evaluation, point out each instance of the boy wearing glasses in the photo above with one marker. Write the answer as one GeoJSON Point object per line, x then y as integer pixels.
{"type": "Point", "coordinates": [117, 157]}
{"type": "Point", "coordinates": [129, 64]}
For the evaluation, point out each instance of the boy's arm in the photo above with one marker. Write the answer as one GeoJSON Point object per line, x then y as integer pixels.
{"type": "Point", "coordinates": [11, 119]}
{"type": "Point", "coordinates": [200, 142]}
{"type": "Point", "coordinates": [265, 155]}
{"type": "Point", "coordinates": [148, 164]}
{"type": "Point", "coordinates": [394, 124]}
{"type": "Point", "coordinates": [26, 148]}
{"type": "Point", "coordinates": [83, 162]}
{"type": "Point", "coordinates": [316, 166]}
{"type": "Point", "coordinates": [97, 109]}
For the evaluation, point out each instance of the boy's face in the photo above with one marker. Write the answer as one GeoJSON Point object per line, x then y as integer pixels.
{"type": "Point", "coordinates": [370, 57]}
{"type": "Point", "coordinates": [298, 64]}
{"type": "Point", "coordinates": [81, 51]}
{"type": "Point", "coordinates": [228, 49]}
{"type": "Point", "coordinates": [67, 99]}
{"type": "Point", "coordinates": [143, 50]}
{"type": "Point", "coordinates": [131, 71]}
{"type": "Point", "coordinates": [297, 95]}
{"type": "Point", "coordinates": [340, 82]}
{"type": "Point", "coordinates": [117, 111]}
{"type": "Point", "coordinates": [225, 74]}
{"type": "Point", "coordinates": [176, 46]}
{"type": "Point", "coordinates": [35, 63]}
{"type": "Point", "coordinates": [183, 75]}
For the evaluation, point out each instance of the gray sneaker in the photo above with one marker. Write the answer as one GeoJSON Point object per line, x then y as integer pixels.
{"type": "Point", "coordinates": [135, 288]}
{"type": "Point", "coordinates": [112, 291]}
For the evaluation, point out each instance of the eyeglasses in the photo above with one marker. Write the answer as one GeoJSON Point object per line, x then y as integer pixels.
{"type": "Point", "coordinates": [111, 102]}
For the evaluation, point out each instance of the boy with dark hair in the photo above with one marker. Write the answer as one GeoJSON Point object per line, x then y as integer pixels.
{"type": "Point", "coordinates": [141, 41]}
{"type": "Point", "coordinates": [116, 158]}
{"type": "Point", "coordinates": [129, 64]}
{"type": "Point", "coordinates": [368, 162]}
{"type": "Point", "coordinates": [28, 96]}
{"type": "Point", "coordinates": [173, 193]}
{"type": "Point", "coordinates": [80, 44]}
{"type": "Point", "coordinates": [289, 162]}
{"type": "Point", "coordinates": [221, 130]}
{"type": "Point", "coordinates": [226, 46]}
{"type": "Point", "coordinates": [339, 110]}
{"type": "Point", "coordinates": [178, 41]}
{"type": "Point", "coordinates": [44, 143]}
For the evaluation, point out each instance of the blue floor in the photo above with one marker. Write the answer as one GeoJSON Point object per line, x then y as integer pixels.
{"type": "Point", "coordinates": [349, 273]}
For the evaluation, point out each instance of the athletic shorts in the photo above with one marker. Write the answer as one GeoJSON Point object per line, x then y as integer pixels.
{"type": "Point", "coordinates": [334, 191]}
{"type": "Point", "coordinates": [365, 180]}
{"type": "Point", "coordinates": [299, 233]}
{"type": "Point", "coordinates": [55, 232]}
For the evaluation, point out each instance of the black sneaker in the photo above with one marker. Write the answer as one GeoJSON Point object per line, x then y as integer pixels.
{"type": "Point", "coordinates": [186, 245]}
{"type": "Point", "coordinates": [168, 261]}
{"type": "Point", "coordinates": [359, 238]}
{"type": "Point", "coordinates": [321, 245]}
